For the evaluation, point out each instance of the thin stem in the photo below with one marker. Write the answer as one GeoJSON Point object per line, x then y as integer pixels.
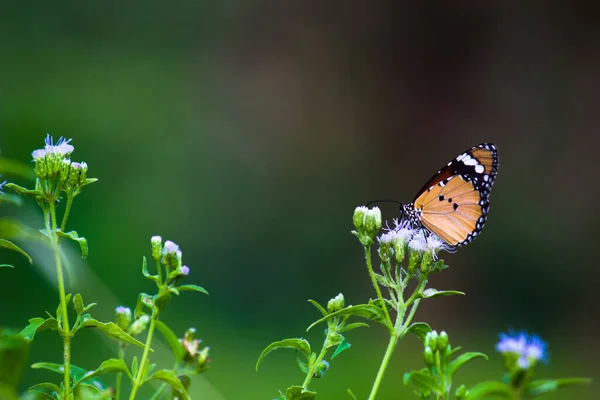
{"type": "Point", "coordinates": [67, 210]}
{"type": "Point", "coordinates": [119, 374]}
{"type": "Point", "coordinates": [137, 382]}
{"type": "Point", "coordinates": [384, 363]}
{"type": "Point", "coordinates": [159, 269]}
{"type": "Point", "coordinates": [63, 301]}
{"type": "Point", "coordinates": [157, 394]}
{"type": "Point", "coordinates": [311, 370]}
{"type": "Point", "coordinates": [376, 286]}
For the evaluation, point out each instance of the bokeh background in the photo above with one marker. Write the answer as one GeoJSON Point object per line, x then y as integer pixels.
{"type": "Point", "coordinates": [247, 132]}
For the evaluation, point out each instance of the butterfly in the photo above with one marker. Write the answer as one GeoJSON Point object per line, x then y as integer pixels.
{"type": "Point", "coordinates": [454, 203]}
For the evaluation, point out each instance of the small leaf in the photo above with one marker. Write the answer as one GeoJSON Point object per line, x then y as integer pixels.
{"type": "Point", "coordinates": [459, 361]}
{"type": "Point", "coordinates": [319, 307]}
{"type": "Point", "coordinates": [543, 386]}
{"type": "Point", "coordinates": [344, 345]}
{"type": "Point", "coordinates": [46, 387]}
{"type": "Point", "coordinates": [420, 329]}
{"type": "Point", "coordinates": [421, 380]}
{"type": "Point", "coordinates": [303, 365]}
{"type": "Point", "coordinates": [162, 300]}
{"type": "Point", "coordinates": [484, 389]}
{"type": "Point", "coordinates": [89, 181]}
{"type": "Point", "coordinates": [431, 293]}
{"type": "Point", "coordinates": [369, 311]}
{"type": "Point", "coordinates": [170, 377]}
{"type": "Point", "coordinates": [174, 291]}
{"type": "Point", "coordinates": [7, 244]}
{"type": "Point", "coordinates": [192, 288]}
{"type": "Point", "coordinates": [299, 393]}
{"type": "Point", "coordinates": [110, 365]}
{"type": "Point", "coordinates": [438, 266]}
{"type": "Point", "coordinates": [172, 340]}
{"type": "Point", "coordinates": [76, 372]}
{"type": "Point", "coordinates": [301, 345]}
{"type": "Point", "coordinates": [134, 366]}
{"type": "Point", "coordinates": [74, 236]}
{"type": "Point", "coordinates": [38, 325]}
{"type": "Point", "coordinates": [354, 325]}
{"type": "Point", "coordinates": [59, 313]}
{"type": "Point", "coordinates": [78, 304]}
{"type": "Point", "coordinates": [111, 330]}
{"type": "Point", "coordinates": [145, 272]}
{"type": "Point", "coordinates": [24, 191]}
{"type": "Point", "coordinates": [383, 280]}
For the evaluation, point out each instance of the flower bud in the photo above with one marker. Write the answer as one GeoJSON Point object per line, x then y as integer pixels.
{"type": "Point", "coordinates": [385, 247]}
{"type": "Point", "coordinates": [320, 369]}
{"type": "Point", "coordinates": [426, 261]}
{"type": "Point", "coordinates": [433, 340]}
{"type": "Point", "coordinates": [372, 222]}
{"type": "Point", "coordinates": [83, 172]}
{"type": "Point", "coordinates": [41, 169]}
{"type": "Point", "coordinates": [123, 317]}
{"type": "Point", "coordinates": [156, 242]}
{"type": "Point", "coordinates": [171, 255]}
{"type": "Point", "coordinates": [429, 357]}
{"type": "Point", "coordinates": [65, 168]}
{"type": "Point", "coordinates": [413, 260]}
{"type": "Point", "coordinates": [336, 303]}
{"type": "Point", "coordinates": [139, 325]}
{"type": "Point", "coordinates": [359, 217]}
{"type": "Point", "coordinates": [442, 342]}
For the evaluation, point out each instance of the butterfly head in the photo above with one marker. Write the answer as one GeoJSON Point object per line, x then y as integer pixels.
{"type": "Point", "coordinates": [409, 212]}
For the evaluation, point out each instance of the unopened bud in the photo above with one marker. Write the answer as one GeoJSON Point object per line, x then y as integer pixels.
{"type": "Point", "coordinates": [320, 369]}
{"type": "Point", "coordinates": [156, 242]}
{"type": "Point", "coordinates": [429, 357]}
{"type": "Point", "coordinates": [442, 341]}
{"type": "Point", "coordinates": [123, 317]}
{"type": "Point", "coordinates": [139, 325]}
{"type": "Point", "coordinates": [336, 303]}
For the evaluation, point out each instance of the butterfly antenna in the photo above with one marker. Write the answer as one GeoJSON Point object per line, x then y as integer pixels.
{"type": "Point", "coordinates": [383, 201]}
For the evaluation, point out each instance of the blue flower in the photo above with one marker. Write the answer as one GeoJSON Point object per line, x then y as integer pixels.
{"type": "Point", "coordinates": [528, 348]}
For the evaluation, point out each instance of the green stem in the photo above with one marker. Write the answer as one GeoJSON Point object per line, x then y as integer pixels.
{"type": "Point", "coordinates": [157, 394]}
{"type": "Point", "coordinates": [63, 301]}
{"type": "Point", "coordinates": [159, 269]}
{"type": "Point", "coordinates": [384, 363]}
{"type": "Point", "coordinates": [311, 370]}
{"type": "Point", "coordinates": [376, 286]}
{"type": "Point", "coordinates": [67, 210]}
{"type": "Point", "coordinates": [119, 374]}
{"type": "Point", "coordinates": [139, 377]}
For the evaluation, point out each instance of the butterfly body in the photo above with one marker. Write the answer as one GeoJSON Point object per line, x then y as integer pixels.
{"type": "Point", "coordinates": [454, 203]}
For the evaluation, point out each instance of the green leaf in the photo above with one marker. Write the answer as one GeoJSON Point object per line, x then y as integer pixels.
{"type": "Point", "coordinates": [59, 314]}
{"type": "Point", "coordinates": [46, 387]}
{"type": "Point", "coordinates": [431, 293]}
{"type": "Point", "coordinates": [354, 325]}
{"type": "Point", "coordinates": [543, 386]}
{"type": "Point", "coordinates": [24, 191]}
{"type": "Point", "coordinates": [490, 388]}
{"type": "Point", "coordinates": [134, 366]}
{"type": "Point", "coordinates": [344, 345]}
{"type": "Point", "coordinates": [302, 364]}
{"type": "Point", "coordinates": [111, 330]}
{"type": "Point", "coordinates": [7, 244]}
{"type": "Point", "coordinates": [419, 329]}
{"type": "Point", "coordinates": [459, 361]}
{"type": "Point", "coordinates": [78, 304]}
{"type": "Point", "coordinates": [38, 325]}
{"type": "Point", "coordinates": [438, 266]}
{"type": "Point", "coordinates": [383, 280]}
{"type": "Point", "coordinates": [74, 236]}
{"type": "Point", "coordinates": [301, 345]}
{"type": "Point", "coordinates": [110, 365]}
{"type": "Point", "coordinates": [170, 377]}
{"type": "Point", "coordinates": [319, 307]}
{"type": "Point", "coordinates": [14, 352]}
{"type": "Point", "coordinates": [422, 381]}
{"type": "Point", "coordinates": [145, 272]}
{"type": "Point", "coordinates": [162, 300]}
{"type": "Point", "coordinates": [77, 373]}
{"type": "Point", "coordinates": [352, 396]}
{"type": "Point", "coordinates": [299, 393]}
{"type": "Point", "coordinates": [89, 181]}
{"type": "Point", "coordinates": [369, 311]}
{"type": "Point", "coordinates": [172, 340]}
{"type": "Point", "coordinates": [192, 288]}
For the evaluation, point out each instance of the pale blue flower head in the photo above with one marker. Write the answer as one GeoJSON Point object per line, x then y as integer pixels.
{"type": "Point", "coordinates": [528, 348]}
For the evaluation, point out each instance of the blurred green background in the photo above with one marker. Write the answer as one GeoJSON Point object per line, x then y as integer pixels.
{"type": "Point", "coordinates": [247, 132]}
